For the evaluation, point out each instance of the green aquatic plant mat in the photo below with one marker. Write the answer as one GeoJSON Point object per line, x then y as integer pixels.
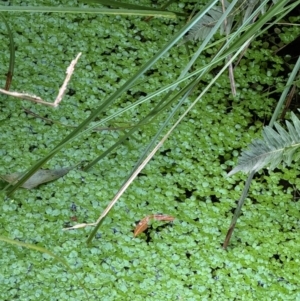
{"type": "Point", "coordinates": [45, 251]}
{"type": "Point", "coordinates": [73, 135]}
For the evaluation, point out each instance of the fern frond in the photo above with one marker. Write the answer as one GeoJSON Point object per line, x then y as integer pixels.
{"type": "Point", "coordinates": [202, 28]}
{"type": "Point", "coordinates": [277, 146]}
{"type": "Point", "coordinates": [248, 7]}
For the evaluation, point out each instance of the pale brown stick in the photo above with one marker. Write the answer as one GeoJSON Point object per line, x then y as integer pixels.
{"type": "Point", "coordinates": [61, 92]}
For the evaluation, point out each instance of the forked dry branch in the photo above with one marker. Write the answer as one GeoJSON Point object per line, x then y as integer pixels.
{"type": "Point", "coordinates": [61, 91]}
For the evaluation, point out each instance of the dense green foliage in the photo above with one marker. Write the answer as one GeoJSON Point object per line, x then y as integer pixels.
{"type": "Point", "coordinates": [179, 261]}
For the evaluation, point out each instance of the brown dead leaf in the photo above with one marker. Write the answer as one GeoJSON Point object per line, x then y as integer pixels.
{"type": "Point", "coordinates": [163, 217]}
{"type": "Point", "coordinates": [143, 224]}
{"type": "Point", "coordinates": [40, 177]}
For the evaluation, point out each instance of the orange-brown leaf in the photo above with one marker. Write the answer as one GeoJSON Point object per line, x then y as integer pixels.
{"type": "Point", "coordinates": [141, 226]}
{"type": "Point", "coordinates": [163, 217]}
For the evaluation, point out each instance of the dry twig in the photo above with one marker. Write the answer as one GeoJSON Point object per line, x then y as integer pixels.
{"type": "Point", "coordinates": [61, 92]}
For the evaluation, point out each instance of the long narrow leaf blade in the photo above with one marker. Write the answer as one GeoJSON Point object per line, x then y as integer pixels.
{"type": "Point", "coordinates": [103, 11]}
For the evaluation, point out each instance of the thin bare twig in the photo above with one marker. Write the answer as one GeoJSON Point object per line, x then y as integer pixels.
{"type": "Point", "coordinates": [61, 92]}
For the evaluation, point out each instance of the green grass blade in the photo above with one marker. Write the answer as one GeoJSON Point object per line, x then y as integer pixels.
{"type": "Point", "coordinates": [45, 251]}
{"type": "Point", "coordinates": [183, 94]}
{"type": "Point", "coordinates": [11, 67]}
{"type": "Point", "coordinates": [36, 248]}
{"type": "Point", "coordinates": [102, 11]}
{"type": "Point", "coordinates": [190, 88]}
{"type": "Point", "coordinates": [149, 118]}
{"type": "Point", "coordinates": [206, 41]}
{"type": "Point", "coordinates": [278, 11]}
{"type": "Point", "coordinates": [109, 100]}
{"type": "Point", "coordinates": [284, 94]}
{"type": "Point", "coordinates": [171, 130]}
{"type": "Point", "coordinates": [130, 6]}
